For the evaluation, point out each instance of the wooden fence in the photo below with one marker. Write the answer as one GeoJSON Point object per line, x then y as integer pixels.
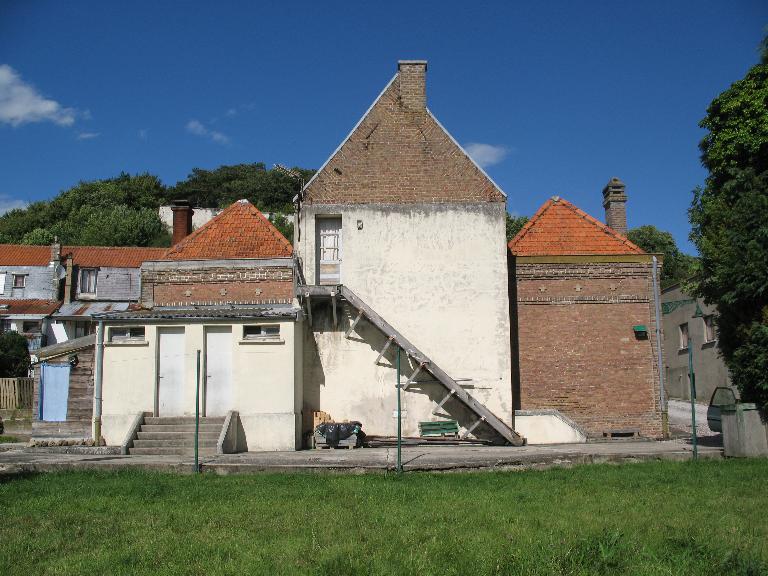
{"type": "Point", "coordinates": [16, 393]}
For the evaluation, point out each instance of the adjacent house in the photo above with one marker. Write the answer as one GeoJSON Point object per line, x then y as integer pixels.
{"type": "Point", "coordinates": [690, 324]}
{"type": "Point", "coordinates": [225, 291]}
{"type": "Point", "coordinates": [584, 320]}
{"type": "Point", "coordinates": [29, 291]}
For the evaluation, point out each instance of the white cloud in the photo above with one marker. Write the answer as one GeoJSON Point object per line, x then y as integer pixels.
{"type": "Point", "coordinates": [199, 129]}
{"type": "Point", "coordinates": [88, 135]}
{"type": "Point", "coordinates": [20, 103]}
{"type": "Point", "coordinates": [7, 203]}
{"type": "Point", "coordinates": [231, 112]}
{"type": "Point", "coordinates": [143, 134]}
{"type": "Point", "coordinates": [486, 154]}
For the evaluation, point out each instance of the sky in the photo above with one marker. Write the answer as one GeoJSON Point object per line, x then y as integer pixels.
{"type": "Point", "coordinates": [552, 98]}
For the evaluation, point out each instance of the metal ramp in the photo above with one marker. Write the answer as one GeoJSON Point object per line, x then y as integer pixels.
{"type": "Point", "coordinates": [423, 363]}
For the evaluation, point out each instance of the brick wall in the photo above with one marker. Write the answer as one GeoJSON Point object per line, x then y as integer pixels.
{"type": "Point", "coordinates": [577, 351]}
{"type": "Point", "coordinates": [184, 286]}
{"type": "Point", "coordinates": [400, 154]}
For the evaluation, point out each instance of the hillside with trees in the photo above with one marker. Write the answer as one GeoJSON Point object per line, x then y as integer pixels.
{"type": "Point", "coordinates": [123, 211]}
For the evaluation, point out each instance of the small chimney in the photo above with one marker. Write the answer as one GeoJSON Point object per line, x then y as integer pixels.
{"type": "Point", "coordinates": [68, 280]}
{"type": "Point", "coordinates": [182, 220]}
{"type": "Point", "coordinates": [615, 204]}
{"type": "Point", "coordinates": [55, 251]}
{"type": "Point", "coordinates": [413, 84]}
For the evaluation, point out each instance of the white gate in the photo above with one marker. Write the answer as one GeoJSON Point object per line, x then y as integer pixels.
{"type": "Point", "coordinates": [218, 370]}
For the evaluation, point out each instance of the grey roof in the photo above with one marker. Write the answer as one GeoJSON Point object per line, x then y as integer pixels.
{"type": "Point", "coordinates": [63, 348]}
{"type": "Point", "coordinates": [80, 309]}
{"type": "Point", "coordinates": [286, 311]}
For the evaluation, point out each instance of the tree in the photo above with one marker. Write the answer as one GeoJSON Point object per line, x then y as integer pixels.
{"type": "Point", "coordinates": [268, 190]}
{"type": "Point", "coordinates": [678, 266]}
{"type": "Point", "coordinates": [514, 225]}
{"type": "Point", "coordinates": [14, 355]}
{"type": "Point", "coordinates": [730, 229]}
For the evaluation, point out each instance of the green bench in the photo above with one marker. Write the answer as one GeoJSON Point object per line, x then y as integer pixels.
{"type": "Point", "coordinates": [440, 428]}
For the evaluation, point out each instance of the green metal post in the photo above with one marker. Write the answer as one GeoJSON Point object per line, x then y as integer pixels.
{"type": "Point", "coordinates": [197, 413]}
{"type": "Point", "coordinates": [692, 378]}
{"type": "Point", "coordinates": [399, 419]}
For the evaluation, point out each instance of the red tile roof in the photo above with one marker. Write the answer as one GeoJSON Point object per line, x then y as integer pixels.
{"type": "Point", "coordinates": [240, 231]}
{"type": "Point", "coordinates": [23, 255]}
{"type": "Point", "coordinates": [36, 307]}
{"type": "Point", "coordinates": [89, 256]}
{"type": "Point", "coordinates": [561, 229]}
{"type": "Point", "coordinates": [115, 256]}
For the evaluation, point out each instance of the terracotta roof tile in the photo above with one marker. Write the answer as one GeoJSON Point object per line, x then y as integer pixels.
{"type": "Point", "coordinates": [239, 231]}
{"type": "Point", "coordinates": [18, 307]}
{"type": "Point", "coordinates": [115, 256]}
{"type": "Point", "coordinates": [560, 229]}
{"type": "Point", "coordinates": [23, 255]}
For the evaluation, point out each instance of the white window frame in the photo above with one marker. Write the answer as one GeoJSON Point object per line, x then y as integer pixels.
{"type": "Point", "coordinates": [127, 336]}
{"type": "Point", "coordinates": [23, 281]}
{"type": "Point", "coordinates": [2, 282]}
{"type": "Point", "coordinates": [91, 273]}
{"type": "Point", "coordinates": [265, 333]}
{"type": "Point", "coordinates": [685, 335]}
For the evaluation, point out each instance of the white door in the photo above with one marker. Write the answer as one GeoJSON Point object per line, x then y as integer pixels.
{"type": "Point", "coordinates": [170, 382]}
{"type": "Point", "coordinates": [329, 250]}
{"type": "Point", "coordinates": [218, 367]}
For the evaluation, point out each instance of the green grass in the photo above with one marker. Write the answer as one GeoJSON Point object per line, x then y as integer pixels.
{"type": "Point", "coordinates": [656, 518]}
{"type": "Point", "coordinates": [7, 439]}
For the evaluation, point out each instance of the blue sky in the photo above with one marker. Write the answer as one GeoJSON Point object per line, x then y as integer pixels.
{"type": "Point", "coordinates": [554, 98]}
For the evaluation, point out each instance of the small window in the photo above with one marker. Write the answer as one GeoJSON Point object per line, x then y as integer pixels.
{"type": "Point", "coordinates": [88, 281]}
{"type": "Point", "coordinates": [709, 328]}
{"type": "Point", "coordinates": [126, 334]}
{"type": "Point", "coordinates": [684, 336]}
{"type": "Point", "coordinates": [30, 326]}
{"type": "Point", "coordinates": [261, 332]}
{"type": "Point", "coordinates": [19, 280]}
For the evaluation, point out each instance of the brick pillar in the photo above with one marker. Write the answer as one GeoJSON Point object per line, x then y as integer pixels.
{"type": "Point", "coordinates": [182, 220]}
{"type": "Point", "coordinates": [615, 204]}
{"type": "Point", "coordinates": [413, 84]}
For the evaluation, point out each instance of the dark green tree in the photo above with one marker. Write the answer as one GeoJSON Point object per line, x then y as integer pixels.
{"type": "Point", "coordinates": [729, 217]}
{"type": "Point", "coordinates": [268, 190]}
{"type": "Point", "coordinates": [514, 225]}
{"type": "Point", "coordinates": [14, 355]}
{"type": "Point", "coordinates": [678, 266]}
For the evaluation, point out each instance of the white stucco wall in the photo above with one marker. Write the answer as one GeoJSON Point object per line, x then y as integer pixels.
{"type": "Point", "coordinates": [438, 274]}
{"type": "Point", "coordinates": [547, 429]}
{"type": "Point", "coordinates": [265, 386]}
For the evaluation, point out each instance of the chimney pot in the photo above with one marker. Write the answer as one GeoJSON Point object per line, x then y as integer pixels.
{"type": "Point", "coordinates": [182, 220]}
{"type": "Point", "coordinates": [615, 204]}
{"type": "Point", "coordinates": [413, 84]}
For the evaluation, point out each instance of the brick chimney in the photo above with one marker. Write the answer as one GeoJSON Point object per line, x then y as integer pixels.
{"type": "Point", "coordinates": [413, 84]}
{"type": "Point", "coordinates": [182, 220]}
{"type": "Point", "coordinates": [615, 204]}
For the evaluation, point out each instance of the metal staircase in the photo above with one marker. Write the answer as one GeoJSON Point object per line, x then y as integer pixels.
{"type": "Point", "coordinates": [422, 362]}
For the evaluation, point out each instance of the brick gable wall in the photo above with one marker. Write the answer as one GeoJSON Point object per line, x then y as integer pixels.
{"type": "Point", "coordinates": [577, 351]}
{"type": "Point", "coordinates": [217, 285]}
{"type": "Point", "coordinates": [399, 154]}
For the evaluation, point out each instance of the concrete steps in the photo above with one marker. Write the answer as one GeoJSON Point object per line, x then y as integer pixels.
{"type": "Point", "coordinates": [175, 436]}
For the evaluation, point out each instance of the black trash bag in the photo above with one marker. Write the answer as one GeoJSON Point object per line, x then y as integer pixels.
{"type": "Point", "coordinates": [334, 432]}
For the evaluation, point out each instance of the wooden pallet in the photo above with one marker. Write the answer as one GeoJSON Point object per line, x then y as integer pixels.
{"type": "Point", "coordinates": [319, 442]}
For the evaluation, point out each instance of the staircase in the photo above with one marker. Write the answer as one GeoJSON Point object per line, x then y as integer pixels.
{"type": "Point", "coordinates": [175, 436]}
{"type": "Point", "coordinates": [422, 362]}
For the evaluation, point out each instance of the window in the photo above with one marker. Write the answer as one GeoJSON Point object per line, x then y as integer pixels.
{"type": "Point", "coordinates": [262, 332]}
{"type": "Point", "coordinates": [83, 329]}
{"type": "Point", "coordinates": [709, 328]}
{"type": "Point", "coordinates": [19, 280]}
{"type": "Point", "coordinates": [2, 282]}
{"type": "Point", "coordinates": [126, 334]}
{"type": "Point", "coordinates": [30, 326]}
{"type": "Point", "coordinates": [684, 336]}
{"type": "Point", "coordinates": [88, 281]}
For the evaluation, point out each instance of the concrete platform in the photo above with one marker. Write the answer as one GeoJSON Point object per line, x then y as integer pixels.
{"type": "Point", "coordinates": [362, 460]}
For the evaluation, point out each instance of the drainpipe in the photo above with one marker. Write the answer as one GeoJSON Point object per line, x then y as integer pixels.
{"type": "Point", "coordinates": [98, 376]}
{"type": "Point", "coordinates": [659, 353]}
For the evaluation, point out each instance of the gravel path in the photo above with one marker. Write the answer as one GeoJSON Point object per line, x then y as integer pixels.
{"type": "Point", "coordinates": [680, 417]}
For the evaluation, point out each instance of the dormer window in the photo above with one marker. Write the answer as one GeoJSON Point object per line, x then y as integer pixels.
{"type": "Point", "coordinates": [88, 281]}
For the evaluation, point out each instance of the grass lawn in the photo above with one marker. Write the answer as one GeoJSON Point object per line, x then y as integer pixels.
{"type": "Point", "coordinates": [655, 518]}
